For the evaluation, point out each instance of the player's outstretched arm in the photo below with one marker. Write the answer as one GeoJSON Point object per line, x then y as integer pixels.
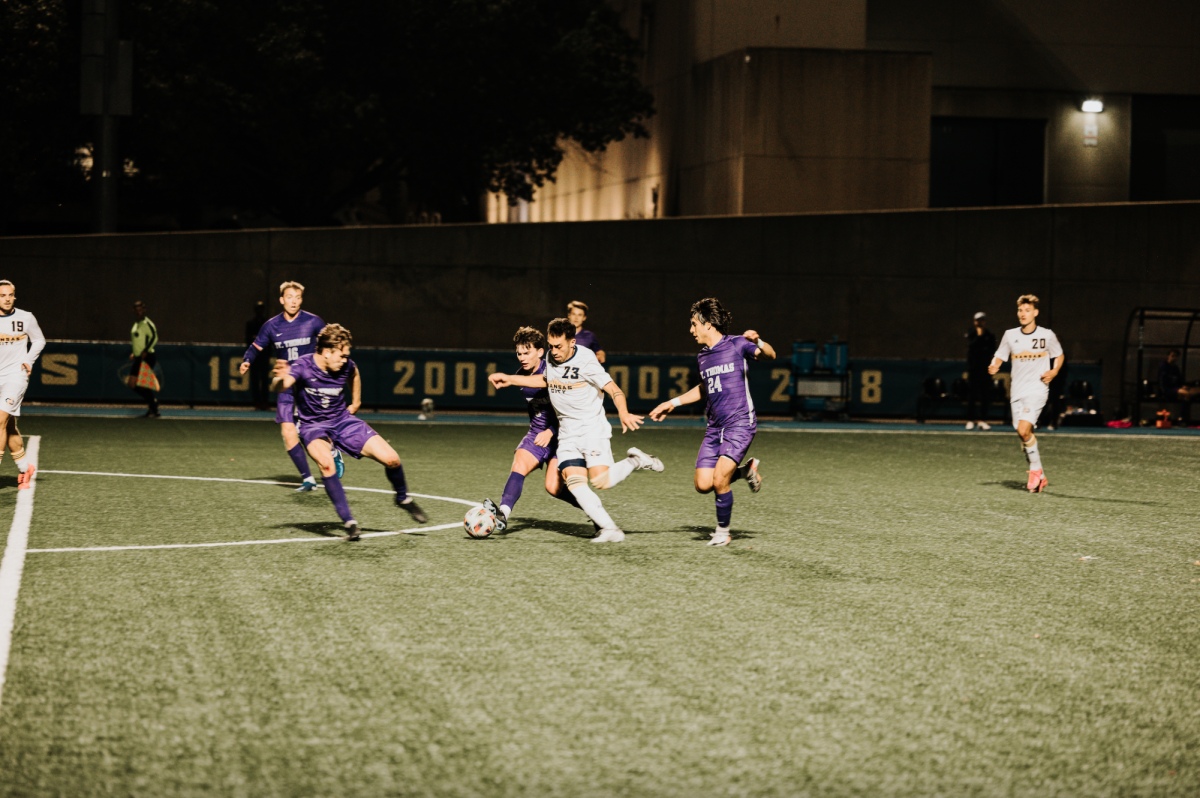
{"type": "Point", "coordinates": [765, 350]}
{"type": "Point", "coordinates": [660, 412]}
{"type": "Point", "coordinates": [282, 379]}
{"type": "Point", "coordinates": [1049, 376]}
{"type": "Point", "coordinates": [629, 421]}
{"type": "Point", "coordinates": [519, 380]}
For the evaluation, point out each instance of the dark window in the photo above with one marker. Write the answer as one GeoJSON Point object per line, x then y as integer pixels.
{"type": "Point", "coordinates": [1164, 157]}
{"type": "Point", "coordinates": [981, 162]}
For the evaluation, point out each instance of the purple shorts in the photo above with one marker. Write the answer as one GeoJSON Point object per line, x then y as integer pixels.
{"type": "Point", "coordinates": [544, 454]}
{"type": "Point", "coordinates": [285, 408]}
{"type": "Point", "coordinates": [350, 434]}
{"type": "Point", "coordinates": [731, 442]}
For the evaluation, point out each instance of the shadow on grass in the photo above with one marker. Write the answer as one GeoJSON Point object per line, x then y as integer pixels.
{"type": "Point", "coordinates": [329, 529]}
{"type": "Point", "coordinates": [292, 480]}
{"type": "Point", "coordinates": [588, 531]}
{"type": "Point", "coordinates": [8, 481]}
{"type": "Point", "coordinates": [1013, 484]}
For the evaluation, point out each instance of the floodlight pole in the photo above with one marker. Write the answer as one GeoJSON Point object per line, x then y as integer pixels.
{"type": "Point", "coordinates": [106, 93]}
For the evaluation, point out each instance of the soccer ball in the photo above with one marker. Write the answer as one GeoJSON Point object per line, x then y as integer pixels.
{"type": "Point", "coordinates": [479, 523]}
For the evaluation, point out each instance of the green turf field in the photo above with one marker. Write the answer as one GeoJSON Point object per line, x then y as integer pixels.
{"type": "Point", "coordinates": [896, 616]}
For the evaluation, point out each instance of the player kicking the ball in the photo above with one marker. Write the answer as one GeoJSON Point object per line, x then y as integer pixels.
{"type": "Point", "coordinates": [538, 447]}
{"type": "Point", "coordinates": [320, 381]}
{"type": "Point", "coordinates": [724, 385]}
{"type": "Point", "coordinates": [577, 384]}
{"type": "Point", "coordinates": [1037, 357]}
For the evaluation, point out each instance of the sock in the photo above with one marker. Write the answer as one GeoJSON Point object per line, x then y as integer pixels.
{"type": "Point", "coordinates": [1031, 453]}
{"type": "Point", "coordinates": [568, 497]}
{"type": "Point", "coordinates": [589, 502]}
{"type": "Point", "coordinates": [396, 477]}
{"type": "Point", "coordinates": [619, 470]}
{"type": "Point", "coordinates": [724, 509]}
{"type": "Point", "coordinates": [337, 494]}
{"type": "Point", "coordinates": [512, 492]}
{"type": "Point", "coordinates": [19, 460]}
{"type": "Point", "coordinates": [300, 458]}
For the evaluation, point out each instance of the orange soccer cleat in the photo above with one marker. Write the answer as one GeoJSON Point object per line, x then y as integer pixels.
{"type": "Point", "coordinates": [1037, 482]}
{"type": "Point", "coordinates": [24, 480]}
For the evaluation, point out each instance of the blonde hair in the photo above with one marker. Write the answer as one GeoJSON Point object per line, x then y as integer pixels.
{"type": "Point", "coordinates": [1027, 299]}
{"type": "Point", "coordinates": [572, 305]}
{"type": "Point", "coordinates": [333, 336]}
{"type": "Point", "coordinates": [290, 284]}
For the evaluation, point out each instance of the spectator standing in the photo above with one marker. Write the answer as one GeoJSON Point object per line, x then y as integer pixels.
{"type": "Point", "coordinates": [260, 369]}
{"type": "Point", "coordinates": [577, 315]}
{"type": "Point", "coordinates": [144, 336]}
{"type": "Point", "coordinates": [981, 345]}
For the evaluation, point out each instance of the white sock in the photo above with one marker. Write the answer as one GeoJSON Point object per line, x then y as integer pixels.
{"type": "Point", "coordinates": [619, 470]}
{"type": "Point", "coordinates": [504, 508]}
{"type": "Point", "coordinates": [1031, 453]}
{"type": "Point", "coordinates": [591, 504]}
{"type": "Point", "coordinates": [22, 464]}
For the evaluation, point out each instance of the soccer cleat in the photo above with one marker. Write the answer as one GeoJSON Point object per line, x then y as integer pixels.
{"type": "Point", "coordinates": [501, 521]}
{"type": "Point", "coordinates": [1037, 482]}
{"type": "Point", "coordinates": [352, 532]}
{"type": "Point", "coordinates": [970, 425]}
{"type": "Point", "coordinates": [753, 478]}
{"type": "Point", "coordinates": [612, 535]}
{"type": "Point", "coordinates": [308, 484]}
{"type": "Point", "coordinates": [645, 462]}
{"type": "Point", "coordinates": [412, 509]}
{"type": "Point", "coordinates": [24, 479]}
{"type": "Point", "coordinates": [983, 425]}
{"type": "Point", "coordinates": [720, 538]}
{"type": "Point", "coordinates": [339, 464]}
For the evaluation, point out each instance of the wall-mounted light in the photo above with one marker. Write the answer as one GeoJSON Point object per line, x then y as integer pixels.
{"type": "Point", "coordinates": [1092, 106]}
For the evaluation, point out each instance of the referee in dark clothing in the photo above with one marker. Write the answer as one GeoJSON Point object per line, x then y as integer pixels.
{"type": "Point", "coordinates": [981, 347]}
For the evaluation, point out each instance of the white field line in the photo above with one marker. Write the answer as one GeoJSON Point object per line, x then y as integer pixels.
{"type": "Point", "coordinates": [13, 563]}
{"type": "Point", "coordinates": [244, 542]}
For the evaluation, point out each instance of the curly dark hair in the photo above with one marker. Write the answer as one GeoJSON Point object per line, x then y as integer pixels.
{"type": "Point", "coordinates": [711, 310]}
{"type": "Point", "coordinates": [561, 328]}
{"type": "Point", "coordinates": [527, 336]}
{"type": "Point", "coordinates": [333, 336]}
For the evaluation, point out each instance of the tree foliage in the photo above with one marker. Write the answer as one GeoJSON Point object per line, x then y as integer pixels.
{"type": "Point", "coordinates": [293, 107]}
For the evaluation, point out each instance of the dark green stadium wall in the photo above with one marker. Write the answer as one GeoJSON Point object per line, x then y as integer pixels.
{"type": "Point", "coordinates": [899, 284]}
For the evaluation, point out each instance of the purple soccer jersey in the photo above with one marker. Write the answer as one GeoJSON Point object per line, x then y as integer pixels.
{"type": "Point", "coordinates": [321, 410]}
{"type": "Point", "coordinates": [725, 383]}
{"type": "Point", "coordinates": [291, 339]}
{"type": "Point", "coordinates": [541, 418]}
{"type": "Point", "coordinates": [587, 338]}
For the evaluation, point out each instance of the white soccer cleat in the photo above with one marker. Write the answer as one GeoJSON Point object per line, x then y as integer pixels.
{"type": "Point", "coordinates": [613, 535]}
{"type": "Point", "coordinates": [970, 425]}
{"type": "Point", "coordinates": [983, 425]}
{"type": "Point", "coordinates": [645, 462]}
{"type": "Point", "coordinates": [720, 538]}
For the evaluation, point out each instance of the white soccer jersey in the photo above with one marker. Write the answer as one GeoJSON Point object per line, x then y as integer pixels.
{"type": "Point", "coordinates": [1032, 355]}
{"type": "Point", "coordinates": [576, 392]}
{"type": "Point", "coordinates": [21, 341]}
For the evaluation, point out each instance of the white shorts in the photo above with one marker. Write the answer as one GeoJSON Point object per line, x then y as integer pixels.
{"type": "Point", "coordinates": [12, 391]}
{"type": "Point", "coordinates": [592, 449]}
{"type": "Point", "coordinates": [1027, 409]}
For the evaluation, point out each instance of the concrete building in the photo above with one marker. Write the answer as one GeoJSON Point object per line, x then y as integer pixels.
{"type": "Point", "coordinates": [789, 106]}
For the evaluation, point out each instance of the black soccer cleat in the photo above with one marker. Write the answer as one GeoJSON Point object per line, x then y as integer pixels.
{"type": "Point", "coordinates": [501, 521]}
{"type": "Point", "coordinates": [352, 532]}
{"type": "Point", "coordinates": [412, 509]}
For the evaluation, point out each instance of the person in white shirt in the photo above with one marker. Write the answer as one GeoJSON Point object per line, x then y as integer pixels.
{"type": "Point", "coordinates": [577, 384]}
{"type": "Point", "coordinates": [21, 341]}
{"type": "Point", "coordinates": [1037, 357]}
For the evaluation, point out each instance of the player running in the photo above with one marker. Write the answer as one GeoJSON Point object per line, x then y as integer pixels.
{"type": "Point", "coordinates": [725, 387]}
{"type": "Point", "coordinates": [538, 447]}
{"type": "Point", "coordinates": [292, 334]}
{"type": "Point", "coordinates": [1037, 357]}
{"type": "Point", "coordinates": [320, 382]}
{"type": "Point", "coordinates": [577, 384]}
{"type": "Point", "coordinates": [21, 341]}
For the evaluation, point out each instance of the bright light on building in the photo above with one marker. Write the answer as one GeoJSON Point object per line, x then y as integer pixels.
{"type": "Point", "coordinates": [1092, 107]}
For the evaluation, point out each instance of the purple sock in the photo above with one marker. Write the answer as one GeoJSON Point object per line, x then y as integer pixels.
{"type": "Point", "coordinates": [724, 509]}
{"type": "Point", "coordinates": [300, 459]}
{"type": "Point", "coordinates": [512, 489]}
{"type": "Point", "coordinates": [337, 494]}
{"type": "Point", "coordinates": [396, 477]}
